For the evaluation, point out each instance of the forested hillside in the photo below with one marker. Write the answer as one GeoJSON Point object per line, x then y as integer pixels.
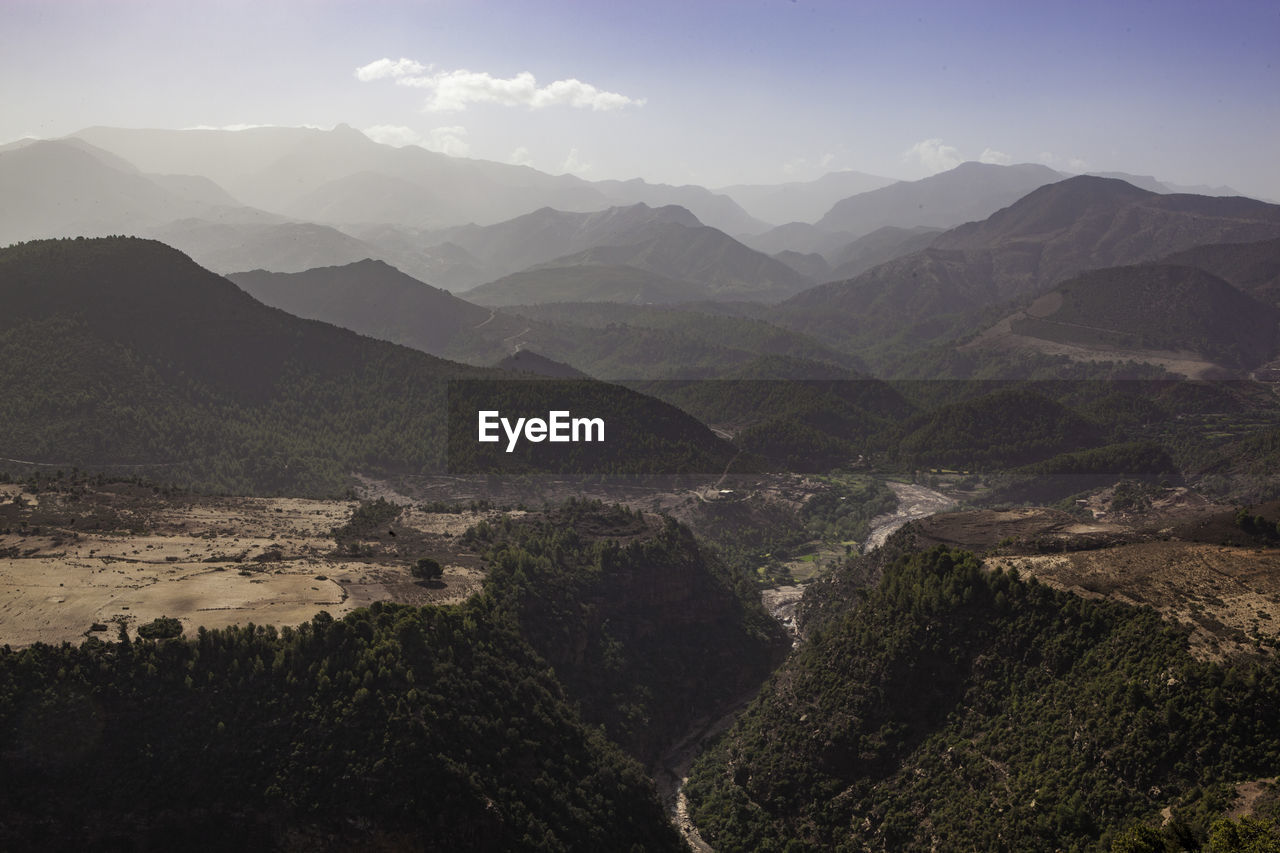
{"type": "Point", "coordinates": [952, 708]}
{"type": "Point", "coordinates": [645, 628]}
{"type": "Point", "coordinates": [393, 727]}
{"type": "Point", "coordinates": [475, 726]}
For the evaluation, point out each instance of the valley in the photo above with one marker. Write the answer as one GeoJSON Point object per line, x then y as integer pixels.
{"type": "Point", "coordinates": [933, 513]}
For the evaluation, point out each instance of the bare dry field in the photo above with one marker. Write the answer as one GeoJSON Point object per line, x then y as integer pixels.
{"type": "Point", "coordinates": [70, 562]}
{"type": "Point", "coordinates": [1181, 555]}
{"type": "Point", "coordinates": [1228, 596]}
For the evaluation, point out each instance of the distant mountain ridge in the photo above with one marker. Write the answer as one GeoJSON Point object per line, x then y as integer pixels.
{"type": "Point", "coordinates": [725, 268]}
{"type": "Point", "coordinates": [967, 192]}
{"type": "Point", "coordinates": [801, 201]}
{"type": "Point", "coordinates": [1054, 232]}
{"type": "Point", "coordinates": [583, 283]}
{"type": "Point", "coordinates": [375, 299]}
{"type": "Point", "coordinates": [545, 234]}
{"type": "Point", "coordinates": [350, 179]}
{"type": "Point", "coordinates": [69, 189]}
{"type": "Point", "coordinates": [285, 247]}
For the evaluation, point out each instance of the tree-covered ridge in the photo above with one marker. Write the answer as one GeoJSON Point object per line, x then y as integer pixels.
{"type": "Point", "coordinates": [647, 630]}
{"type": "Point", "coordinates": [122, 353]}
{"type": "Point", "coordinates": [955, 709]}
{"type": "Point", "coordinates": [1009, 427]}
{"type": "Point", "coordinates": [1155, 307]}
{"type": "Point", "coordinates": [1073, 473]}
{"type": "Point", "coordinates": [432, 728]}
{"type": "Point", "coordinates": [595, 333]}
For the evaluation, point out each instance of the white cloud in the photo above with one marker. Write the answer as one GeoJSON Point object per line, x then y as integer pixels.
{"type": "Point", "coordinates": [1079, 164]}
{"type": "Point", "coordinates": [382, 68]}
{"type": "Point", "coordinates": [520, 157]}
{"type": "Point", "coordinates": [998, 158]}
{"type": "Point", "coordinates": [452, 91]}
{"type": "Point", "coordinates": [573, 164]}
{"type": "Point", "coordinates": [393, 134]}
{"type": "Point", "coordinates": [933, 155]}
{"type": "Point", "coordinates": [448, 140]}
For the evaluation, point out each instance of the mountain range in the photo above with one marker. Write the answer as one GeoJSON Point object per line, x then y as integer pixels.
{"type": "Point", "coordinates": [904, 271]}
{"type": "Point", "coordinates": [120, 351]}
{"type": "Point", "coordinates": [376, 298]}
{"type": "Point", "coordinates": [1052, 233]}
{"type": "Point", "coordinates": [605, 340]}
{"type": "Point", "coordinates": [801, 201]}
{"type": "Point", "coordinates": [342, 176]}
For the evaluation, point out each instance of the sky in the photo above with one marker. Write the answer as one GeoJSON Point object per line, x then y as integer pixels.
{"type": "Point", "coordinates": [712, 92]}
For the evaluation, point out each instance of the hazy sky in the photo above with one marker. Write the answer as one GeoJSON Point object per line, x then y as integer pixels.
{"type": "Point", "coordinates": [697, 91]}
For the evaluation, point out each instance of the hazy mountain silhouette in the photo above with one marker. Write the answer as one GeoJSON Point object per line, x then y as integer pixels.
{"type": "Point", "coordinates": [811, 265]}
{"type": "Point", "coordinates": [586, 283]}
{"type": "Point", "coordinates": [286, 170]}
{"type": "Point", "coordinates": [969, 191]}
{"type": "Point", "coordinates": [725, 268]}
{"type": "Point", "coordinates": [801, 201]}
{"type": "Point", "coordinates": [59, 189]}
{"type": "Point", "coordinates": [1053, 233]}
{"type": "Point", "coordinates": [546, 234]}
{"type": "Point", "coordinates": [802, 237]}
{"type": "Point", "coordinates": [668, 243]}
{"type": "Point", "coordinates": [878, 247]}
{"type": "Point", "coordinates": [612, 340]}
{"type": "Point", "coordinates": [375, 299]}
{"type": "Point", "coordinates": [418, 252]}
{"type": "Point", "coordinates": [372, 197]}
{"type": "Point", "coordinates": [712, 208]}
{"type": "Point", "coordinates": [349, 178]}
{"type": "Point", "coordinates": [1150, 183]}
{"type": "Point", "coordinates": [280, 247]}
{"type": "Point", "coordinates": [1086, 223]}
